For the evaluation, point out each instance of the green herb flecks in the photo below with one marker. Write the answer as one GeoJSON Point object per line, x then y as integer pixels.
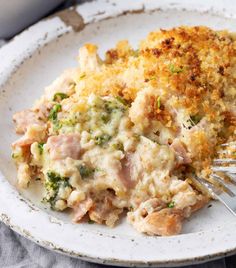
{"type": "Point", "coordinates": [175, 70]}
{"type": "Point", "coordinates": [159, 102]}
{"type": "Point", "coordinates": [53, 116]}
{"type": "Point", "coordinates": [121, 100]}
{"type": "Point", "coordinates": [57, 125]}
{"type": "Point", "coordinates": [90, 221]}
{"type": "Point", "coordinates": [54, 111]}
{"type": "Point", "coordinates": [70, 122]}
{"type": "Point", "coordinates": [40, 147]}
{"type": "Point", "coordinates": [152, 78]}
{"type": "Point", "coordinates": [85, 171]}
{"type": "Point", "coordinates": [60, 96]}
{"type": "Point", "coordinates": [102, 139]}
{"type": "Point", "coordinates": [118, 146]}
{"type": "Point", "coordinates": [110, 110]}
{"type": "Point", "coordinates": [171, 204]}
{"type": "Point", "coordinates": [105, 117]}
{"type": "Point", "coordinates": [113, 106]}
{"type": "Point", "coordinates": [14, 155]}
{"type": "Point", "coordinates": [82, 76]}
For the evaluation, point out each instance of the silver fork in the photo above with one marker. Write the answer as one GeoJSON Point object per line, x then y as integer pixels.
{"type": "Point", "coordinates": [223, 169]}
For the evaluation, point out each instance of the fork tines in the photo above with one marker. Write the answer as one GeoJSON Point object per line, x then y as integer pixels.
{"type": "Point", "coordinates": [222, 181]}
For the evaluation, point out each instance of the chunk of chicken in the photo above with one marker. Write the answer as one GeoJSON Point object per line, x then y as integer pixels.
{"type": "Point", "coordinates": [165, 222]}
{"type": "Point", "coordinates": [64, 145]}
{"type": "Point", "coordinates": [150, 156]}
{"type": "Point", "coordinates": [152, 217]}
{"type": "Point", "coordinates": [183, 194]}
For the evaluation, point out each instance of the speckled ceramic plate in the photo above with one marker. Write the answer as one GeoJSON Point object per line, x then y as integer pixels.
{"type": "Point", "coordinates": [38, 55]}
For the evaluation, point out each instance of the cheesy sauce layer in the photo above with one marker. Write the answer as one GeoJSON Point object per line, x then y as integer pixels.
{"type": "Point", "coordinates": [128, 133]}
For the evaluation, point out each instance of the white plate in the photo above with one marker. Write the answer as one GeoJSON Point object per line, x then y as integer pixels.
{"type": "Point", "coordinates": [30, 62]}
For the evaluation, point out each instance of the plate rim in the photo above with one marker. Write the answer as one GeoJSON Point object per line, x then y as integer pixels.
{"type": "Point", "coordinates": [58, 25]}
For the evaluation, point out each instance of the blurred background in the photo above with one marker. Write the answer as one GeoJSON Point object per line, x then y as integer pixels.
{"type": "Point", "coordinates": [16, 15]}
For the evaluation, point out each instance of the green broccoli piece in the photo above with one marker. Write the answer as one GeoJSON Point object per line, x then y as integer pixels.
{"type": "Point", "coordinates": [102, 139]}
{"type": "Point", "coordinates": [171, 204]}
{"type": "Point", "coordinates": [85, 171]}
{"type": "Point", "coordinates": [52, 184]}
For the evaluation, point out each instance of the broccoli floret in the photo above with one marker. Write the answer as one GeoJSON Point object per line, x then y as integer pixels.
{"type": "Point", "coordinates": [85, 171]}
{"type": "Point", "coordinates": [171, 204]}
{"type": "Point", "coordinates": [102, 139]}
{"type": "Point", "coordinates": [52, 184]}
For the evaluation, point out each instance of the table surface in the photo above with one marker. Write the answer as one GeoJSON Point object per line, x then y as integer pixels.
{"type": "Point", "coordinates": [18, 252]}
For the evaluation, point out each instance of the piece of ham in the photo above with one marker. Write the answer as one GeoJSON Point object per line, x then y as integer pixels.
{"type": "Point", "coordinates": [82, 208]}
{"type": "Point", "coordinates": [64, 145]}
{"type": "Point", "coordinates": [181, 153]}
{"type": "Point", "coordinates": [24, 119]}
